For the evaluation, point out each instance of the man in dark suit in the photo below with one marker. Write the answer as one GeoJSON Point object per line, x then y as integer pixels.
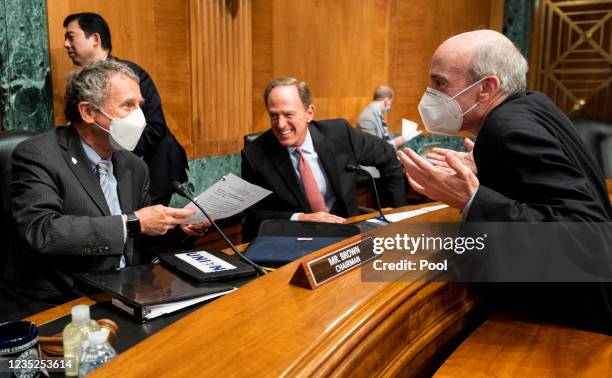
{"type": "Point", "coordinates": [303, 162]}
{"type": "Point", "coordinates": [527, 165]}
{"type": "Point", "coordinates": [88, 39]}
{"type": "Point", "coordinates": [80, 201]}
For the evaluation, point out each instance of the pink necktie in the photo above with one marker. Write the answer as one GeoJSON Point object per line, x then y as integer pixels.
{"type": "Point", "coordinates": [313, 194]}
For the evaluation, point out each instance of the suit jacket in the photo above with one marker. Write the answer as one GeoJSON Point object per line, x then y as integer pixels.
{"type": "Point", "coordinates": [265, 162]}
{"type": "Point", "coordinates": [62, 219]}
{"type": "Point", "coordinates": [159, 148]}
{"type": "Point", "coordinates": [369, 121]}
{"type": "Point", "coordinates": [532, 166]}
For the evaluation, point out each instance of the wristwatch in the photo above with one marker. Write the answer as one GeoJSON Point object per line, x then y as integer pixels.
{"type": "Point", "coordinates": [133, 225]}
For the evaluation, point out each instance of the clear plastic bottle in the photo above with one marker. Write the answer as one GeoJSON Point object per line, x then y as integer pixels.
{"type": "Point", "coordinates": [74, 333]}
{"type": "Point", "coordinates": [97, 353]}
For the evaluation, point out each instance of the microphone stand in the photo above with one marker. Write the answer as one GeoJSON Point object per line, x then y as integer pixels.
{"type": "Point", "coordinates": [355, 168]}
{"type": "Point", "coordinates": [185, 193]}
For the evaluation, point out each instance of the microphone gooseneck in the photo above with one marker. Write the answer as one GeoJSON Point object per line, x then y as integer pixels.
{"type": "Point", "coordinates": [356, 168]}
{"type": "Point", "coordinates": [184, 192]}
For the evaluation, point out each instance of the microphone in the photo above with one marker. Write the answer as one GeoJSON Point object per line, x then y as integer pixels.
{"type": "Point", "coordinates": [184, 191]}
{"type": "Point", "coordinates": [356, 168]}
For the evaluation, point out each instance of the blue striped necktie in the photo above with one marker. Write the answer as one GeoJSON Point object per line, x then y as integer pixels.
{"type": "Point", "coordinates": [383, 123]}
{"type": "Point", "coordinates": [110, 195]}
{"type": "Point", "coordinates": [102, 169]}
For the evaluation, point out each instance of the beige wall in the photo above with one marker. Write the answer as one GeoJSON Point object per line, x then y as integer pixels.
{"type": "Point", "coordinates": [211, 59]}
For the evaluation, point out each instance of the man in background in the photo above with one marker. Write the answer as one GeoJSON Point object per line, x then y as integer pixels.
{"type": "Point", "coordinates": [304, 162]}
{"type": "Point", "coordinates": [88, 39]}
{"type": "Point", "coordinates": [372, 119]}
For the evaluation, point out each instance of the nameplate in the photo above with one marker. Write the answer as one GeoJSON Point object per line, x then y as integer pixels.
{"type": "Point", "coordinates": [319, 269]}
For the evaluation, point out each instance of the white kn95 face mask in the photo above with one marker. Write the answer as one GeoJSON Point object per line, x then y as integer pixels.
{"type": "Point", "coordinates": [441, 114]}
{"type": "Point", "coordinates": [125, 132]}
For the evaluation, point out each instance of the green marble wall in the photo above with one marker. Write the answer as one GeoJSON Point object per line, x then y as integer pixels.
{"type": "Point", "coordinates": [25, 75]}
{"type": "Point", "coordinates": [517, 23]}
{"type": "Point", "coordinates": [206, 171]}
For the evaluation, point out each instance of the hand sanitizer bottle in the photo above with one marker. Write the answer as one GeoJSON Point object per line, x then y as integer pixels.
{"type": "Point", "coordinates": [74, 333]}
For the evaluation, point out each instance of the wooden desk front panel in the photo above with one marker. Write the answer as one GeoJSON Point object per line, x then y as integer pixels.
{"type": "Point", "coordinates": [271, 328]}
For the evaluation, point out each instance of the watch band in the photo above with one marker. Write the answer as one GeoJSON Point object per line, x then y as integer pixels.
{"type": "Point", "coordinates": [133, 225]}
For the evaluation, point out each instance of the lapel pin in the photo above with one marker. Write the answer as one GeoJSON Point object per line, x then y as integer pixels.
{"type": "Point", "coordinates": [74, 160]}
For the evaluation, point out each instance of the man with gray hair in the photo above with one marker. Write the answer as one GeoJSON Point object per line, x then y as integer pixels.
{"type": "Point", "coordinates": [528, 163]}
{"type": "Point", "coordinates": [80, 199]}
{"type": "Point", "coordinates": [372, 119]}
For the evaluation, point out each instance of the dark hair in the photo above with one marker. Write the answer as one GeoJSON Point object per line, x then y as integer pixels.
{"type": "Point", "coordinates": [302, 88]}
{"type": "Point", "coordinates": [92, 23]}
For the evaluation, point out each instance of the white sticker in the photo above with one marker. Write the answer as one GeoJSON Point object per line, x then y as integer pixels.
{"type": "Point", "coordinates": [205, 262]}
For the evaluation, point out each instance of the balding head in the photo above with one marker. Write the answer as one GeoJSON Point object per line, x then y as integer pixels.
{"type": "Point", "coordinates": [483, 53]}
{"type": "Point", "coordinates": [479, 70]}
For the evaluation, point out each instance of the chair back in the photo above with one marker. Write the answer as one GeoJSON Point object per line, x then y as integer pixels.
{"type": "Point", "coordinates": [8, 141]}
{"type": "Point", "coordinates": [597, 136]}
{"type": "Point", "coordinates": [250, 137]}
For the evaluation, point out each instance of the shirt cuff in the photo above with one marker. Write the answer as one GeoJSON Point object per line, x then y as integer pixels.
{"type": "Point", "coordinates": [295, 216]}
{"type": "Point", "coordinates": [466, 209]}
{"type": "Point", "coordinates": [124, 230]}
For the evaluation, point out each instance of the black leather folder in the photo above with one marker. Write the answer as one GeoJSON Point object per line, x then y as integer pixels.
{"type": "Point", "coordinates": [280, 241]}
{"type": "Point", "coordinates": [148, 291]}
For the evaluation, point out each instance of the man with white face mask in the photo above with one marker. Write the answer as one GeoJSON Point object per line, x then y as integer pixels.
{"type": "Point", "coordinates": [372, 119]}
{"type": "Point", "coordinates": [79, 198]}
{"type": "Point", "coordinates": [528, 163]}
{"type": "Point", "coordinates": [88, 39]}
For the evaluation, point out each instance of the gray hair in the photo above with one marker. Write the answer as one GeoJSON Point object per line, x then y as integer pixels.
{"type": "Point", "coordinates": [302, 88]}
{"type": "Point", "coordinates": [382, 92]}
{"type": "Point", "coordinates": [90, 84]}
{"type": "Point", "coordinates": [504, 60]}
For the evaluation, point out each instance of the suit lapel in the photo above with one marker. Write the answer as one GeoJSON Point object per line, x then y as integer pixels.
{"type": "Point", "coordinates": [124, 192]}
{"type": "Point", "coordinates": [81, 167]}
{"type": "Point", "coordinates": [282, 162]}
{"type": "Point", "coordinates": [328, 161]}
{"type": "Point", "coordinates": [124, 182]}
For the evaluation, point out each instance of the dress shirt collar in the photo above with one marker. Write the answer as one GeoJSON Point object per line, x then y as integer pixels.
{"type": "Point", "coordinates": [93, 156]}
{"type": "Point", "coordinates": [307, 146]}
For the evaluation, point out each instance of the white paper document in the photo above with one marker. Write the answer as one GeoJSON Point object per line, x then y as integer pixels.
{"type": "Point", "coordinates": [406, 214]}
{"type": "Point", "coordinates": [155, 311]}
{"type": "Point", "coordinates": [227, 197]}
{"type": "Point", "coordinates": [409, 129]}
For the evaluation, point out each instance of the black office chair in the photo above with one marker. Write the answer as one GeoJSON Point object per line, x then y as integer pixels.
{"type": "Point", "coordinates": [250, 137]}
{"type": "Point", "coordinates": [8, 141]}
{"type": "Point", "coordinates": [597, 136]}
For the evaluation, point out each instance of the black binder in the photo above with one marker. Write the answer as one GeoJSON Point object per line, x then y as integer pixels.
{"type": "Point", "coordinates": [148, 291]}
